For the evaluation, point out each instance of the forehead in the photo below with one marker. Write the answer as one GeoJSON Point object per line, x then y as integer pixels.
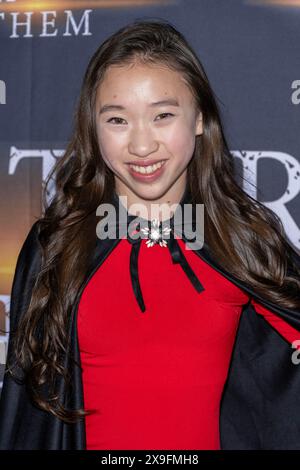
{"type": "Point", "coordinates": [142, 81]}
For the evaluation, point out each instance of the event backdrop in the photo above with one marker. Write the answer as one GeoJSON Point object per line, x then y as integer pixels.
{"type": "Point", "coordinates": [249, 49]}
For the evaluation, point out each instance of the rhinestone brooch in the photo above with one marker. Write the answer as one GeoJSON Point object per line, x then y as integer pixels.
{"type": "Point", "coordinates": [155, 234]}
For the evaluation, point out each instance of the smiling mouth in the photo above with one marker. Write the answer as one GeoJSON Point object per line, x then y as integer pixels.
{"type": "Point", "coordinates": [147, 170]}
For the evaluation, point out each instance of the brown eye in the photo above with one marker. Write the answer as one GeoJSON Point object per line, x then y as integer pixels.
{"type": "Point", "coordinates": [165, 114]}
{"type": "Point", "coordinates": [111, 119]}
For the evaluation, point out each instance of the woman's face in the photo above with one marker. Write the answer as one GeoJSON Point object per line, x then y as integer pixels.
{"type": "Point", "coordinates": [132, 129]}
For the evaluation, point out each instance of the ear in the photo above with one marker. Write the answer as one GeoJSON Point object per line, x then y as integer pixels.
{"type": "Point", "coordinates": [199, 124]}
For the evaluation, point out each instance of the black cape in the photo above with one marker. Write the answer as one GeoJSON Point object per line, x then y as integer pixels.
{"type": "Point", "coordinates": [260, 407]}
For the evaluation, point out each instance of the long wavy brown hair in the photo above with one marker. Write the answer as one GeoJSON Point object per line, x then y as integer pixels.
{"type": "Point", "coordinates": [244, 236]}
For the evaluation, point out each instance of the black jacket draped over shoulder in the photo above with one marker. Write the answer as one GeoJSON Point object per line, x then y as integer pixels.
{"type": "Point", "coordinates": [260, 406]}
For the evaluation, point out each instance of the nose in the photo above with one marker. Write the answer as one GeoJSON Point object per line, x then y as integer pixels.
{"type": "Point", "coordinates": [142, 143]}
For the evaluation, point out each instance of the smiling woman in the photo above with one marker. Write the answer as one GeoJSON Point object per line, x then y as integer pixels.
{"type": "Point", "coordinates": [134, 343]}
{"type": "Point", "coordinates": [146, 128]}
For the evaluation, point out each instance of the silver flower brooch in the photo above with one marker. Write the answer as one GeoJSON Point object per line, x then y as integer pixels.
{"type": "Point", "coordinates": [155, 234]}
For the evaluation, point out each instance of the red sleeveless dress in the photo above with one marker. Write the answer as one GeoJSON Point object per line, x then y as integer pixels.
{"type": "Point", "coordinates": [155, 379]}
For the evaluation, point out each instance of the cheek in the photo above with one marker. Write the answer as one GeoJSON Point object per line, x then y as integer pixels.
{"type": "Point", "coordinates": [109, 148]}
{"type": "Point", "coordinates": [181, 142]}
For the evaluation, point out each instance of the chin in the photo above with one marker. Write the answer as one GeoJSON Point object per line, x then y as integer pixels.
{"type": "Point", "coordinates": [150, 193]}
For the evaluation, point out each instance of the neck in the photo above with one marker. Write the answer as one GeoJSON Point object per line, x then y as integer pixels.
{"type": "Point", "coordinates": [162, 208]}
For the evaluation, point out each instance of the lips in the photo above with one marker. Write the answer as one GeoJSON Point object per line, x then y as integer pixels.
{"type": "Point", "coordinates": [147, 177]}
{"type": "Point", "coordinates": [143, 163]}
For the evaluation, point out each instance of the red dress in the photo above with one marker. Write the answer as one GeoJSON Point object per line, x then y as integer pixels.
{"type": "Point", "coordinates": [155, 379]}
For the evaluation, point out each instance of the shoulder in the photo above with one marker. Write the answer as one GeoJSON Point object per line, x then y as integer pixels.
{"type": "Point", "coordinates": [30, 248]}
{"type": "Point", "coordinates": [32, 235]}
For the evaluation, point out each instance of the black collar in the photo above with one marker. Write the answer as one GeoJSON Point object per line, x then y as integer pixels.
{"type": "Point", "coordinates": [138, 228]}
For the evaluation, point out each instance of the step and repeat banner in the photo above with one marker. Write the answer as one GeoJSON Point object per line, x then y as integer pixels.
{"type": "Point", "coordinates": [249, 49]}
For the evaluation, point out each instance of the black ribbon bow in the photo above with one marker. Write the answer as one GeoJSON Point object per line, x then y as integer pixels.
{"type": "Point", "coordinates": [135, 237]}
{"type": "Point", "coordinates": [177, 257]}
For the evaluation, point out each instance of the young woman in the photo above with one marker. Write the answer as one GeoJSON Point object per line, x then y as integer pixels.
{"type": "Point", "coordinates": [137, 342]}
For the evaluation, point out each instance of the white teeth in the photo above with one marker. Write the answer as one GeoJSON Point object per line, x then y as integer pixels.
{"type": "Point", "coordinates": [147, 169]}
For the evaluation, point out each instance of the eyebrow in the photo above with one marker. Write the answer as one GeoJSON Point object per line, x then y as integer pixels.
{"type": "Point", "coordinates": [117, 107]}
